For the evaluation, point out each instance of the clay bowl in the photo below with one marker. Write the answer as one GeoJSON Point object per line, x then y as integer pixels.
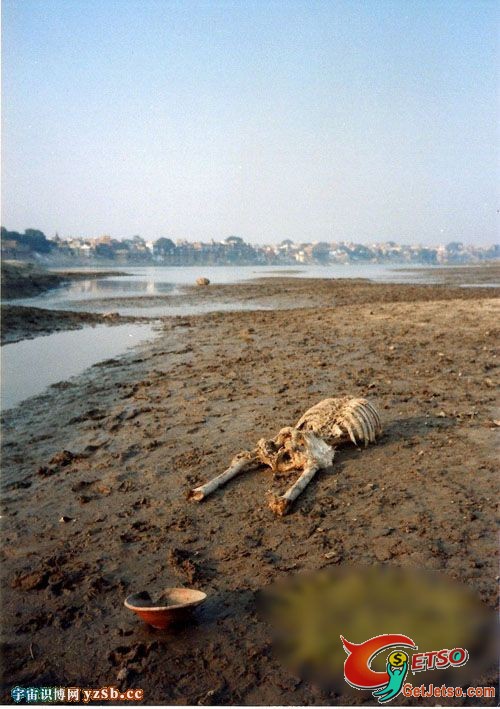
{"type": "Point", "coordinates": [173, 605]}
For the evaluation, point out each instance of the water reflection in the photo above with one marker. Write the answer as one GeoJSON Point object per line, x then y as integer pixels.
{"type": "Point", "coordinates": [99, 287]}
{"type": "Point", "coordinates": [159, 280]}
{"type": "Point", "coordinates": [28, 367]}
{"type": "Point", "coordinates": [147, 282]}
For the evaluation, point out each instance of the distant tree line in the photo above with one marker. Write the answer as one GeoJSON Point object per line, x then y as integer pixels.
{"type": "Point", "coordinates": [32, 240]}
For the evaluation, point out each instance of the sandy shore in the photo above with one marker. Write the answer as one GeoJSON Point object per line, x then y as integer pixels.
{"type": "Point", "coordinates": [140, 430]}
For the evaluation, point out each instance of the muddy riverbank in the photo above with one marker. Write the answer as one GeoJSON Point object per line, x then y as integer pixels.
{"type": "Point", "coordinates": [24, 323]}
{"type": "Point", "coordinates": [95, 473]}
{"type": "Point", "coordinates": [24, 280]}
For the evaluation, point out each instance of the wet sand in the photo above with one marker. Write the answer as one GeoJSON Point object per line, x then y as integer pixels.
{"type": "Point", "coordinates": [487, 273]}
{"type": "Point", "coordinates": [289, 293]}
{"type": "Point", "coordinates": [140, 430]}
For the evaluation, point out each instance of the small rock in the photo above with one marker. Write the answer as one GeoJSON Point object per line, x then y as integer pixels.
{"type": "Point", "coordinates": [331, 554]}
{"type": "Point", "coordinates": [65, 518]}
{"type": "Point", "coordinates": [202, 282]}
{"type": "Point", "coordinates": [104, 490]}
{"type": "Point", "coordinates": [122, 675]}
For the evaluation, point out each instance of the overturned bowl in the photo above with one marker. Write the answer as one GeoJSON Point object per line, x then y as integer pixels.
{"type": "Point", "coordinates": [173, 605]}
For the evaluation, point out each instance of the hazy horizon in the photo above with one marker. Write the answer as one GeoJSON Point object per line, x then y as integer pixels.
{"type": "Point", "coordinates": [314, 121]}
{"type": "Point", "coordinates": [271, 242]}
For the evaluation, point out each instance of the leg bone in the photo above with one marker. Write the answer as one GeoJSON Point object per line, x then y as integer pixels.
{"type": "Point", "coordinates": [239, 463]}
{"type": "Point", "coordinates": [280, 505]}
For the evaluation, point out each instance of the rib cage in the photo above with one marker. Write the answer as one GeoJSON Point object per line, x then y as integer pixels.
{"type": "Point", "coordinates": [309, 446]}
{"type": "Point", "coordinates": [341, 419]}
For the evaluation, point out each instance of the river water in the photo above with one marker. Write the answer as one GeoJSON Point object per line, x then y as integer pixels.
{"type": "Point", "coordinates": [160, 281]}
{"type": "Point", "coordinates": [28, 367]}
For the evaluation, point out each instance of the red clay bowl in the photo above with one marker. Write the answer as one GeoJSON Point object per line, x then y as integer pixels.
{"type": "Point", "coordinates": [173, 605]}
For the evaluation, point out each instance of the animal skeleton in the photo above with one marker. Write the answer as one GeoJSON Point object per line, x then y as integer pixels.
{"type": "Point", "coordinates": [308, 446]}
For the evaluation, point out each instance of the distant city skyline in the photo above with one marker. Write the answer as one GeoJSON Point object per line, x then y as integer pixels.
{"type": "Point", "coordinates": [362, 121]}
{"type": "Point", "coordinates": [270, 242]}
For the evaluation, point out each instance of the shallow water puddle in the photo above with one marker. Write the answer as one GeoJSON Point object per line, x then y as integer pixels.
{"type": "Point", "coordinates": [30, 366]}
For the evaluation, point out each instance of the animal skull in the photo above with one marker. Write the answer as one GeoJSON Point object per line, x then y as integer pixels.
{"type": "Point", "coordinates": [308, 446]}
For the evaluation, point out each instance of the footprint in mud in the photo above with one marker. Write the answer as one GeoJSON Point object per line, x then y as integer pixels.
{"type": "Point", "coordinates": [53, 575]}
{"type": "Point", "coordinates": [83, 485]}
{"type": "Point", "coordinates": [73, 615]}
{"type": "Point", "coordinates": [131, 412]}
{"type": "Point", "coordinates": [140, 531]}
{"type": "Point", "coordinates": [61, 459]}
{"type": "Point", "coordinates": [64, 458]}
{"type": "Point", "coordinates": [23, 484]}
{"type": "Point", "coordinates": [85, 499]}
{"type": "Point", "coordinates": [94, 444]}
{"type": "Point", "coordinates": [90, 415]}
{"type": "Point", "coordinates": [36, 623]}
{"type": "Point", "coordinates": [130, 452]}
{"type": "Point", "coordinates": [179, 560]}
{"type": "Point", "coordinates": [142, 502]}
{"type": "Point", "coordinates": [127, 486]}
{"type": "Point", "coordinates": [31, 581]}
{"type": "Point", "coordinates": [97, 586]}
{"type": "Point", "coordinates": [131, 660]}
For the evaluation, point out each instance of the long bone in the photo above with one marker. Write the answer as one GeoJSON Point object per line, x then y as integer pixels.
{"type": "Point", "coordinates": [239, 463]}
{"type": "Point", "coordinates": [308, 446]}
{"type": "Point", "coordinates": [306, 451]}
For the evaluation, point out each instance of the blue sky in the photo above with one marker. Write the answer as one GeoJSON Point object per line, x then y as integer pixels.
{"type": "Point", "coordinates": [361, 120]}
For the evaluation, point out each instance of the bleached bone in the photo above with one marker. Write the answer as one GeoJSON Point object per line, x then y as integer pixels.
{"type": "Point", "coordinates": [343, 419]}
{"type": "Point", "coordinates": [238, 464]}
{"type": "Point", "coordinates": [308, 446]}
{"type": "Point", "coordinates": [296, 450]}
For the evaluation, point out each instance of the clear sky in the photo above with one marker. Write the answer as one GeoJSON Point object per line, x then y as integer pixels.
{"type": "Point", "coordinates": [359, 120]}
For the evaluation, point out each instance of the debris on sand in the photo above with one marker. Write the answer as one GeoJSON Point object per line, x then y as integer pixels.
{"type": "Point", "coordinates": [170, 607]}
